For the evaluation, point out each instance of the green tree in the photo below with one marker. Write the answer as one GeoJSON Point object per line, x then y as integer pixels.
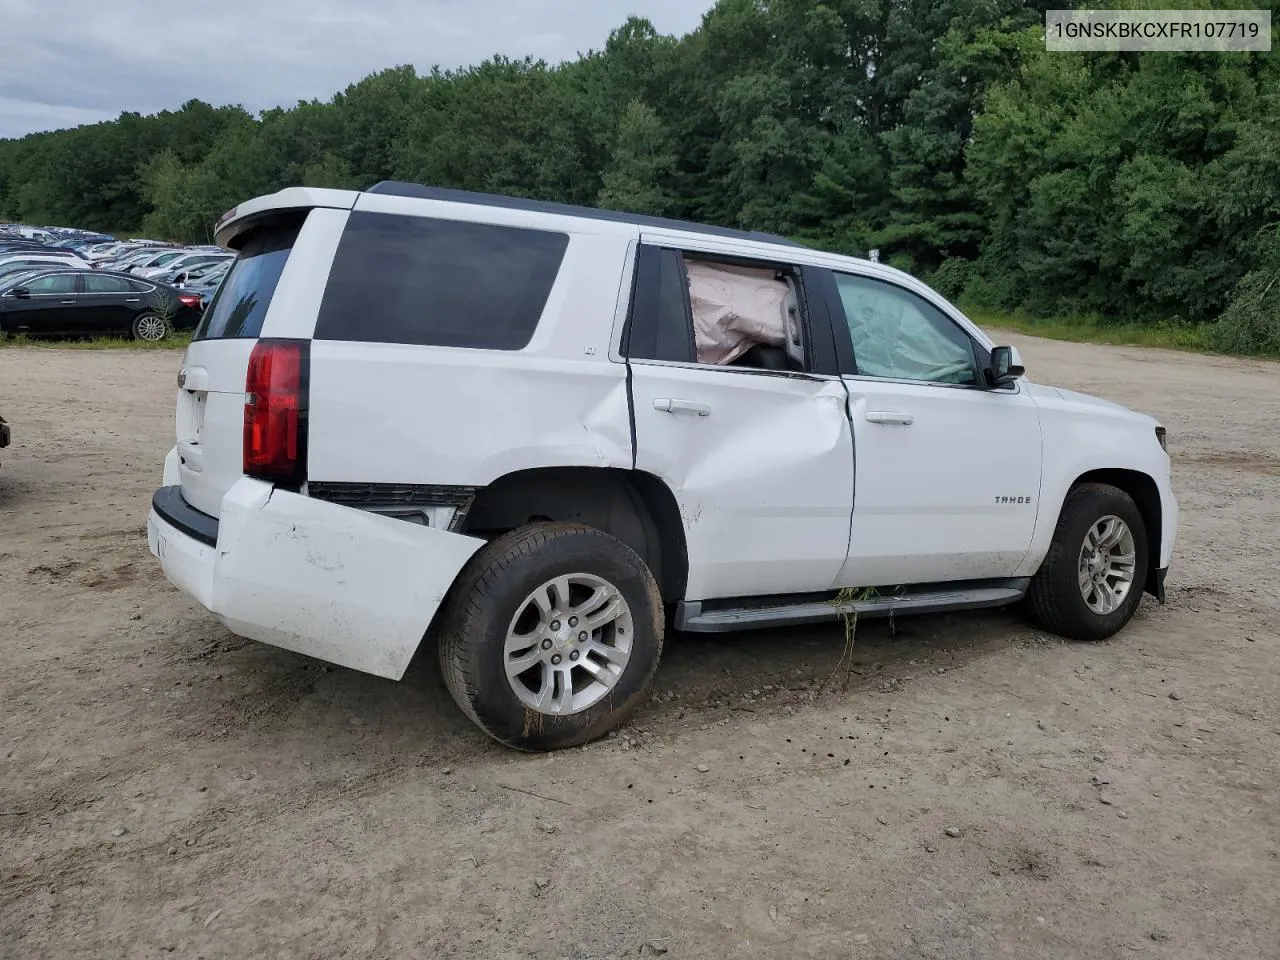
{"type": "Point", "coordinates": [637, 180]}
{"type": "Point", "coordinates": [1130, 186]}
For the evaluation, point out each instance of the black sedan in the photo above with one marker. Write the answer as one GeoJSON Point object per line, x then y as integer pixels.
{"type": "Point", "coordinates": [63, 302]}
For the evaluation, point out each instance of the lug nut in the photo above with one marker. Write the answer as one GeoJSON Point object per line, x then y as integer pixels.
{"type": "Point", "coordinates": [546, 644]}
{"type": "Point", "coordinates": [555, 624]}
{"type": "Point", "coordinates": [573, 621]}
{"type": "Point", "coordinates": [574, 656]}
{"type": "Point", "coordinates": [583, 636]}
{"type": "Point", "coordinates": [556, 659]}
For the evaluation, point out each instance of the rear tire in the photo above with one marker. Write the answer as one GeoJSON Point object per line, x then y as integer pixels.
{"type": "Point", "coordinates": [151, 328]}
{"type": "Point", "coordinates": [551, 592]}
{"type": "Point", "coordinates": [1081, 591]}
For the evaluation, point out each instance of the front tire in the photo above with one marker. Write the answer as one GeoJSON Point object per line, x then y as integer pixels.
{"type": "Point", "coordinates": [151, 328]}
{"type": "Point", "coordinates": [551, 636]}
{"type": "Point", "coordinates": [1091, 581]}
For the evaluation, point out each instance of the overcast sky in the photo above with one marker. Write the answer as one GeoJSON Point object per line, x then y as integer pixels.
{"type": "Point", "coordinates": [67, 62]}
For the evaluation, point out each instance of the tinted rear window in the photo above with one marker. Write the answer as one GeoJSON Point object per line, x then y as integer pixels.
{"type": "Point", "coordinates": [240, 306]}
{"type": "Point", "coordinates": [105, 283]}
{"type": "Point", "coordinates": [439, 282]}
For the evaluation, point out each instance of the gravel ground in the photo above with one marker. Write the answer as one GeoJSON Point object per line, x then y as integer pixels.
{"type": "Point", "coordinates": [978, 789]}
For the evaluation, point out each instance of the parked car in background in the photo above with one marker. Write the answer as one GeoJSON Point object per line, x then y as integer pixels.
{"type": "Point", "coordinates": [93, 303]}
{"type": "Point", "coordinates": [185, 276]}
{"type": "Point", "coordinates": [206, 275]}
{"type": "Point", "coordinates": [61, 252]}
{"type": "Point", "coordinates": [33, 233]}
{"type": "Point", "coordinates": [131, 258]}
{"type": "Point", "coordinates": [205, 286]}
{"type": "Point", "coordinates": [8, 250]}
{"type": "Point", "coordinates": [20, 247]}
{"type": "Point", "coordinates": [119, 250]}
{"type": "Point", "coordinates": [39, 250]}
{"type": "Point", "coordinates": [166, 272]}
{"type": "Point", "coordinates": [101, 251]}
{"type": "Point", "coordinates": [78, 239]}
{"type": "Point", "coordinates": [10, 261]}
{"type": "Point", "coordinates": [156, 258]}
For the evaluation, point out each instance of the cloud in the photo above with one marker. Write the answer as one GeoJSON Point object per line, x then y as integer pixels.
{"type": "Point", "coordinates": [143, 56]}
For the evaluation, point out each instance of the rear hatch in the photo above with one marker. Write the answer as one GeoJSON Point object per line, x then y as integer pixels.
{"type": "Point", "coordinates": [211, 394]}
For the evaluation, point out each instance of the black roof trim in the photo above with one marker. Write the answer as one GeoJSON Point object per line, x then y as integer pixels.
{"type": "Point", "coordinates": [395, 188]}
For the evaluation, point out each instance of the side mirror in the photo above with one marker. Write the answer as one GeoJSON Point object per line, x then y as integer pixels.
{"type": "Point", "coordinates": [22, 293]}
{"type": "Point", "coordinates": [1006, 366]}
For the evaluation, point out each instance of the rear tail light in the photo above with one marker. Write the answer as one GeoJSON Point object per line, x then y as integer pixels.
{"type": "Point", "coordinates": [275, 412]}
{"type": "Point", "coordinates": [189, 300]}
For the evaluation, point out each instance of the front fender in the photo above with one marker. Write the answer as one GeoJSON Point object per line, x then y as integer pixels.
{"type": "Point", "coordinates": [1078, 444]}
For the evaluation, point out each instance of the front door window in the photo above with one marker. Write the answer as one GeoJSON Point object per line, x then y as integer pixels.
{"type": "Point", "coordinates": [900, 336]}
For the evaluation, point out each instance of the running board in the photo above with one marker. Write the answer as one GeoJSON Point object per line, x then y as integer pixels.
{"type": "Point", "coordinates": [726, 616]}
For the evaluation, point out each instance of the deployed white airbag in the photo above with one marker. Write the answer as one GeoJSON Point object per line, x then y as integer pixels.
{"type": "Point", "coordinates": [735, 308]}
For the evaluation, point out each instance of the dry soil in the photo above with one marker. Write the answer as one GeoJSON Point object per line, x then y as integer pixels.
{"type": "Point", "coordinates": [979, 789]}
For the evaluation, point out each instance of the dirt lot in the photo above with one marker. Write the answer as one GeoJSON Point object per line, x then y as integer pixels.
{"type": "Point", "coordinates": [167, 789]}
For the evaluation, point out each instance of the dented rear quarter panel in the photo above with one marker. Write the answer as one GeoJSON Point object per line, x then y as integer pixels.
{"type": "Point", "coordinates": [395, 413]}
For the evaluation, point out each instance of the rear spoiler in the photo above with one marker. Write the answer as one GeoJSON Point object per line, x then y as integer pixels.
{"type": "Point", "coordinates": [239, 218]}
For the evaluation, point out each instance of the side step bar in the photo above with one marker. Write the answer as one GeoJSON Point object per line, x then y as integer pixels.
{"type": "Point", "coordinates": [726, 616]}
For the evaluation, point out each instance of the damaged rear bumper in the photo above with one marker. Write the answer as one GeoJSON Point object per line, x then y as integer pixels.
{"type": "Point", "coordinates": [336, 583]}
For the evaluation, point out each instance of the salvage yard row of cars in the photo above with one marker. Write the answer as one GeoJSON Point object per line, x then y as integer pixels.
{"type": "Point", "coordinates": [71, 283]}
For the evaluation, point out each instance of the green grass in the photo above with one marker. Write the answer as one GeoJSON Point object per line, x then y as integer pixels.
{"type": "Point", "coordinates": [175, 342]}
{"type": "Point", "coordinates": [1090, 330]}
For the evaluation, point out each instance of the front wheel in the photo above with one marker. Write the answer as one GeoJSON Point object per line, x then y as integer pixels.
{"type": "Point", "coordinates": [551, 635]}
{"type": "Point", "coordinates": [150, 328]}
{"type": "Point", "coordinates": [1091, 581]}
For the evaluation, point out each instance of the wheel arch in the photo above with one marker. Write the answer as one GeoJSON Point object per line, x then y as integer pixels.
{"type": "Point", "coordinates": [636, 507]}
{"type": "Point", "coordinates": [1146, 495]}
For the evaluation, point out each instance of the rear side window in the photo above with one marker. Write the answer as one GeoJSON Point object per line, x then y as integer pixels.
{"type": "Point", "coordinates": [659, 327]}
{"type": "Point", "coordinates": [439, 282]}
{"type": "Point", "coordinates": [102, 283]}
{"type": "Point", "coordinates": [240, 306]}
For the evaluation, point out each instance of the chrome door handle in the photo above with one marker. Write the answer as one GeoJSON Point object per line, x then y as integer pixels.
{"type": "Point", "coordinates": [682, 406]}
{"type": "Point", "coordinates": [890, 416]}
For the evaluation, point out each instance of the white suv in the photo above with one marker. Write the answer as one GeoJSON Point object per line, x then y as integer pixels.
{"type": "Point", "coordinates": [530, 431]}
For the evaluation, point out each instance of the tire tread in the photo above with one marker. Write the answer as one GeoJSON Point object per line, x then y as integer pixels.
{"type": "Point", "coordinates": [467, 598]}
{"type": "Point", "coordinates": [1053, 603]}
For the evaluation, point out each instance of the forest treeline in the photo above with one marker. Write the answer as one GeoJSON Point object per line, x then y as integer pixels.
{"type": "Point", "coordinates": [1125, 187]}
